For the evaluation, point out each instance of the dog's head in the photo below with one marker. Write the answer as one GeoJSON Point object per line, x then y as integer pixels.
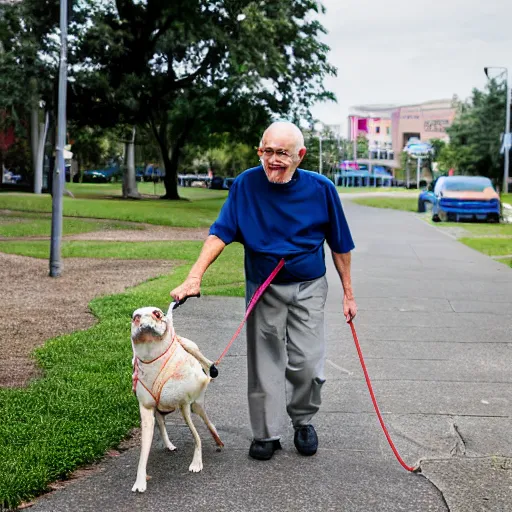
{"type": "Point", "coordinates": [150, 324]}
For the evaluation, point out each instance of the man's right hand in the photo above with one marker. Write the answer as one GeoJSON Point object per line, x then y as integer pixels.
{"type": "Point", "coordinates": [189, 288]}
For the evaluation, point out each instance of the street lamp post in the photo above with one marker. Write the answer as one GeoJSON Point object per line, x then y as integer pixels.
{"type": "Point", "coordinates": [59, 175]}
{"type": "Point", "coordinates": [506, 137]}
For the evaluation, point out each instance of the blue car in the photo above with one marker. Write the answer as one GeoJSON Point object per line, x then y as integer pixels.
{"type": "Point", "coordinates": [109, 175]}
{"type": "Point", "coordinates": [456, 198]}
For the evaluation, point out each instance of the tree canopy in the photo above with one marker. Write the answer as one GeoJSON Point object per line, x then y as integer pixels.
{"type": "Point", "coordinates": [475, 135]}
{"type": "Point", "coordinates": [190, 68]}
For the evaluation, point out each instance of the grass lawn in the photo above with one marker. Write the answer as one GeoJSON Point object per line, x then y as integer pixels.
{"type": "Point", "coordinates": [21, 224]}
{"type": "Point", "coordinates": [490, 246]}
{"type": "Point", "coordinates": [358, 190]}
{"type": "Point", "coordinates": [409, 204]}
{"type": "Point", "coordinates": [84, 405]}
{"type": "Point", "coordinates": [199, 211]}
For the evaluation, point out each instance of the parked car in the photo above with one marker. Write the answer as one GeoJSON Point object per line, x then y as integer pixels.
{"type": "Point", "coordinates": [220, 183]}
{"type": "Point", "coordinates": [153, 174]}
{"type": "Point", "coordinates": [455, 198]}
{"type": "Point", "coordinates": [111, 174]}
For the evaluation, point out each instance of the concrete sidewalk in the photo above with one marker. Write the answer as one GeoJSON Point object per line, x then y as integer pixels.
{"type": "Point", "coordinates": [435, 327]}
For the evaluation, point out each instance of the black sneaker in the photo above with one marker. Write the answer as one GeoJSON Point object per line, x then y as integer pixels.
{"type": "Point", "coordinates": [263, 450]}
{"type": "Point", "coordinates": [305, 439]}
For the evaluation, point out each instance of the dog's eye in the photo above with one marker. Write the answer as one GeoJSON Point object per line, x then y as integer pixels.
{"type": "Point", "coordinates": [157, 314]}
{"type": "Point", "coordinates": [136, 318]}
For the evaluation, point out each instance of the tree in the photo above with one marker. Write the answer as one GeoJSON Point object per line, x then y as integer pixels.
{"type": "Point", "coordinates": [475, 143]}
{"type": "Point", "coordinates": [362, 146]}
{"type": "Point", "coordinates": [148, 58]}
{"type": "Point", "coordinates": [29, 58]}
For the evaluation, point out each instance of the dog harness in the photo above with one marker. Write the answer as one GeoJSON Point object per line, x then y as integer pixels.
{"type": "Point", "coordinates": [153, 375]}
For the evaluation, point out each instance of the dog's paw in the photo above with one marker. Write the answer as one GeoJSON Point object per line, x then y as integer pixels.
{"type": "Point", "coordinates": [170, 447]}
{"type": "Point", "coordinates": [196, 466]}
{"type": "Point", "coordinates": [139, 486]}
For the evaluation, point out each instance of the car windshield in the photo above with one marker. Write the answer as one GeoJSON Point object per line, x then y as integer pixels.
{"type": "Point", "coordinates": [464, 184]}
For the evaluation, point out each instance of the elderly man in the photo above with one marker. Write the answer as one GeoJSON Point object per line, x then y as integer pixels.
{"type": "Point", "coordinates": [279, 211]}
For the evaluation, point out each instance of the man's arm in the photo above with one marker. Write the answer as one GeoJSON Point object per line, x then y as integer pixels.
{"type": "Point", "coordinates": [342, 264]}
{"type": "Point", "coordinates": [212, 247]}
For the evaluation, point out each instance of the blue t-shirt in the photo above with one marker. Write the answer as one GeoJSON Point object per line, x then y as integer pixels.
{"type": "Point", "coordinates": [290, 221]}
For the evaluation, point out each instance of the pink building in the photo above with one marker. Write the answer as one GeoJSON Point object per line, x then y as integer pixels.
{"type": "Point", "coordinates": [389, 127]}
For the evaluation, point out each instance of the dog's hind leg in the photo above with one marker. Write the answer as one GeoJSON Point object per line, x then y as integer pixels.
{"type": "Point", "coordinates": [147, 423]}
{"type": "Point", "coordinates": [197, 460]}
{"type": "Point", "coordinates": [198, 409]}
{"type": "Point", "coordinates": [160, 419]}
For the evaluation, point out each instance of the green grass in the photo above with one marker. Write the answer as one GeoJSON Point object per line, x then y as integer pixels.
{"type": "Point", "coordinates": [409, 204]}
{"type": "Point", "coordinates": [358, 190]}
{"type": "Point", "coordinates": [84, 405]}
{"type": "Point", "coordinates": [105, 190]}
{"type": "Point", "coordinates": [482, 229]}
{"type": "Point", "coordinates": [490, 246]}
{"type": "Point", "coordinates": [200, 211]}
{"type": "Point", "coordinates": [20, 224]}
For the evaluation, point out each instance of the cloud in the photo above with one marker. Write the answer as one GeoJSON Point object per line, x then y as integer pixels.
{"type": "Point", "coordinates": [397, 51]}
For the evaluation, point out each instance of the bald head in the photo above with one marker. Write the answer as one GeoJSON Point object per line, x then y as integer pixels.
{"type": "Point", "coordinates": [285, 131]}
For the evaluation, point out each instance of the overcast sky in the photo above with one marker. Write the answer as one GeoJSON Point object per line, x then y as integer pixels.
{"type": "Point", "coordinates": [402, 51]}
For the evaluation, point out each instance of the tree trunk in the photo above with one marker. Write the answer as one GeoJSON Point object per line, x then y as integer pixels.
{"type": "Point", "coordinates": [39, 164]}
{"type": "Point", "coordinates": [170, 178]}
{"type": "Point", "coordinates": [130, 190]}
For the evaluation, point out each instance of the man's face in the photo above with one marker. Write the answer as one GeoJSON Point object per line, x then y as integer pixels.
{"type": "Point", "coordinates": [280, 154]}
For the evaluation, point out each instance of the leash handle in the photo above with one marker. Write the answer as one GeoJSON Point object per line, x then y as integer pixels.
{"type": "Point", "coordinates": [374, 401]}
{"type": "Point", "coordinates": [259, 292]}
{"type": "Point", "coordinates": [177, 303]}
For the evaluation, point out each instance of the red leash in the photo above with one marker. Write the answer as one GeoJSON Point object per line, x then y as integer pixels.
{"type": "Point", "coordinates": [250, 307]}
{"type": "Point", "coordinates": [259, 292]}
{"type": "Point", "coordinates": [374, 401]}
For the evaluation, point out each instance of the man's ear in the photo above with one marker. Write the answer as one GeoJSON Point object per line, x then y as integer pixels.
{"type": "Point", "coordinates": [302, 153]}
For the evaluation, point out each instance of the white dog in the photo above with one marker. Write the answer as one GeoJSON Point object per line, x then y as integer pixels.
{"type": "Point", "coordinates": [169, 373]}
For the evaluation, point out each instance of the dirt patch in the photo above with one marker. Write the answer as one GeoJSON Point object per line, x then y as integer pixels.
{"type": "Point", "coordinates": [150, 233]}
{"type": "Point", "coordinates": [35, 307]}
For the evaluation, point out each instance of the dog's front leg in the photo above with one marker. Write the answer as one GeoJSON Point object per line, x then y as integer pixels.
{"type": "Point", "coordinates": [147, 423]}
{"type": "Point", "coordinates": [160, 419]}
{"type": "Point", "coordinates": [197, 460]}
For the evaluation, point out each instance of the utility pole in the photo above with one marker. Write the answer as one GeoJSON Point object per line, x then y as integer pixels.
{"type": "Point", "coordinates": [59, 173]}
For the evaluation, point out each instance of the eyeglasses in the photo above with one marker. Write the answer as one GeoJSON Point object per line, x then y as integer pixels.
{"type": "Point", "coordinates": [280, 153]}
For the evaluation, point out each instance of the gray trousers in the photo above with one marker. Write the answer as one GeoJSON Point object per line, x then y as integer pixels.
{"type": "Point", "coordinates": [285, 344]}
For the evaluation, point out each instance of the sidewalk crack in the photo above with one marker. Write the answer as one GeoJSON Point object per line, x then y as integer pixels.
{"type": "Point", "coordinates": [439, 491]}
{"type": "Point", "coordinates": [459, 448]}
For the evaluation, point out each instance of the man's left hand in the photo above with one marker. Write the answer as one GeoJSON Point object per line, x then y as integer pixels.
{"type": "Point", "coordinates": [349, 309]}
